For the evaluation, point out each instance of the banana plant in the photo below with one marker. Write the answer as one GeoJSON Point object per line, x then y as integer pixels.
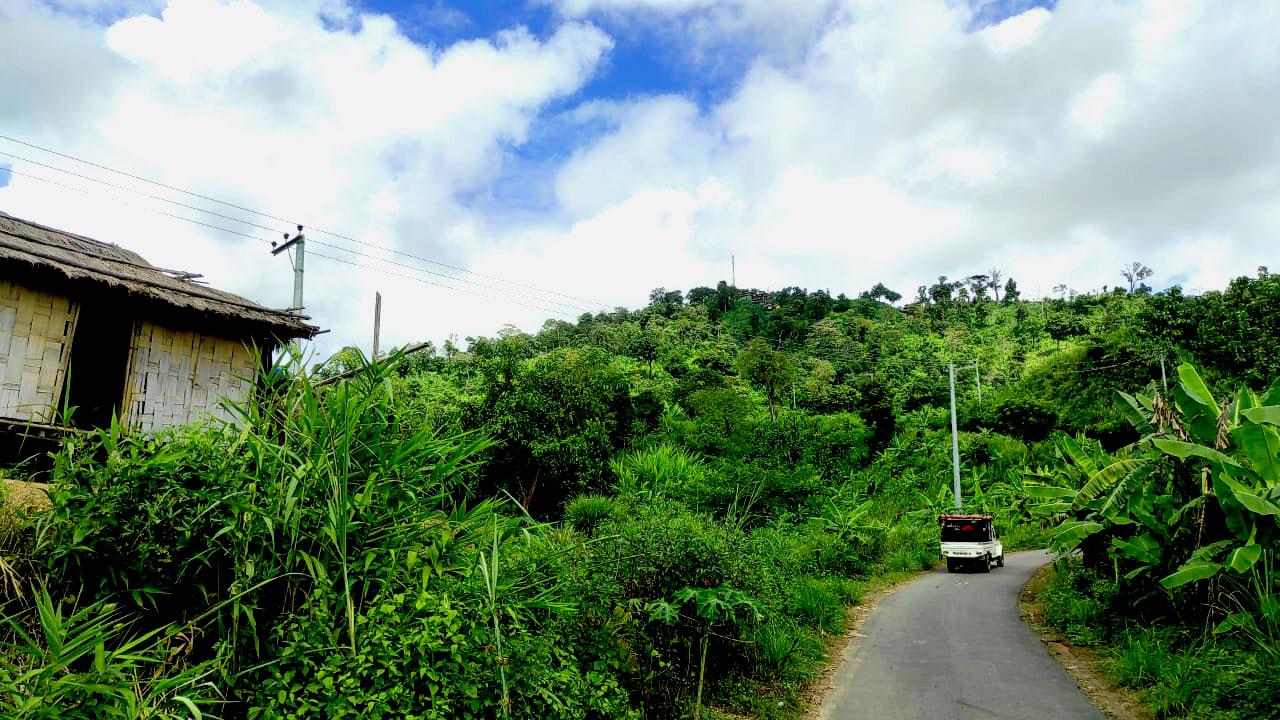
{"type": "Point", "coordinates": [1236, 447]}
{"type": "Point", "coordinates": [1151, 516]}
{"type": "Point", "coordinates": [1088, 489]}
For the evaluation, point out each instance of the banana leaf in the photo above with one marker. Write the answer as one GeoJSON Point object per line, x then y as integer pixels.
{"type": "Point", "coordinates": [1071, 449]}
{"type": "Point", "coordinates": [1104, 480]}
{"type": "Point", "coordinates": [1070, 533]}
{"type": "Point", "coordinates": [1184, 450]}
{"type": "Point", "coordinates": [1243, 558]}
{"type": "Point", "coordinates": [1272, 396]}
{"type": "Point", "coordinates": [1269, 414]}
{"type": "Point", "coordinates": [1261, 445]}
{"type": "Point", "coordinates": [1142, 548]}
{"type": "Point", "coordinates": [1199, 409]}
{"type": "Point", "coordinates": [1195, 388]}
{"type": "Point", "coordinates": [1201, 565]}
{"type": "Point", "coordinates": [1048, 492]}
{"type": "Point", "coordinates": [1191, 572]}
{"type": "Point", "coordinates": [1137, 415]}
{"type": "Point", "coordinates": [1251, 501]}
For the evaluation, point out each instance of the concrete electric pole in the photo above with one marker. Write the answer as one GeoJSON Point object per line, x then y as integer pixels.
{"type": "Point", "coordinates": [298, 258]}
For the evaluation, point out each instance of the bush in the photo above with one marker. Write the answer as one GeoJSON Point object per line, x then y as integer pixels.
{"type": "Point", "coordinates": [784, 651]}
{"type": "Point", "coordinates": [662, 547]}
{"type": "Point", "coordinates": [434, 656]}
{"type": "Point", "coordinates": [586, 512]}
{"type": "Point", "coordinates": [87, 663]}
{"type": "Point", "coordinates": [816, 601]}
{"type": "Point", "coordinates": [1079, 602]}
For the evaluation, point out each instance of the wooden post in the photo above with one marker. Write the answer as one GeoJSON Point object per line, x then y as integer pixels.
{"type": "Point", "coordinates": [377, 322]}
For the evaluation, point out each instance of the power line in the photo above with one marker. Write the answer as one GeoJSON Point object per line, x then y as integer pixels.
{"type": "Point", "coordinates": [318, 242]}
{"type": "Point", "coordinates": [436, 284]}
{"type": "Point", "coordinates": [313, 228]}
{"type": "Point", "coordinates": [137, 192]}
{"type": "Point", "coordinates": [450, 277]}
{"type": "Point", "coordinates": [55, 183]}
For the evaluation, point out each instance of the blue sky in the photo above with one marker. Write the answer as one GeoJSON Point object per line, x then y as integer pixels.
{"type": "Point", "coordinates": [645, 59]}
{"type": "Point", "coordinates": [638, 64]}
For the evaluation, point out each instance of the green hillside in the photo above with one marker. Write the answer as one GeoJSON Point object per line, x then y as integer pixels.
{"type": "Point", "coordinates": [647, 513]}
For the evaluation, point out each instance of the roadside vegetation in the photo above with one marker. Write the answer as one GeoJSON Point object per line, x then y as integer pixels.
{"type": "Point", "coordinates": [1176, 533]}
{"type": "Point", "coordinates": [646, 514]}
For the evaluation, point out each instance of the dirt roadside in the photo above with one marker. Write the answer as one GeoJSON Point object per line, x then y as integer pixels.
{"type": "Point", "coordinates": [1085, 665]}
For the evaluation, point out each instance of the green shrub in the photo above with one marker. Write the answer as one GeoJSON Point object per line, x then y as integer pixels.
{"type": "Point", "coordinates": [87, 663]}
{"type": "Point", "coordinates": [586, 512]}
{"type": "Point", "coordinates": [430, 655]}
{"type": "Point", "coordinates": [662, 470]}
{"type": "Point", "coordinates": [662, 547]}
{"type": "Point", "coordinates": [816, 601]}
{"type": "Point", "coordinates": [1078, 602]}
{"type": "Point", "coordinates": [785, 651]}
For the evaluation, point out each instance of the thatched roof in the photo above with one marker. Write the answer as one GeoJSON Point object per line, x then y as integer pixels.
{"type": "Point", "coordinates": [83, 259]}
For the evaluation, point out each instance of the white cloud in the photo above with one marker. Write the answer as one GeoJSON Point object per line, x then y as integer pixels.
{"type": "Point", "coordinates": [903, 145]}
{"type": "Point", "coordinates": [702, 30]}
{"type": "Point", "coordinates": [867, 141]}
{"type": "Point", "coordinates": [295, 107]}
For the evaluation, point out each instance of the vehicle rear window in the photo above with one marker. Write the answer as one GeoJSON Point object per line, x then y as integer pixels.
{"type": "Point", "coordinates": [965, 531]}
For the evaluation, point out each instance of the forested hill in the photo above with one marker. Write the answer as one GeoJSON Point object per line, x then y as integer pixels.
{"type": "Point", "coordinates": [660, 513]}
{"type": "Point", "coordinates": [718, 369]}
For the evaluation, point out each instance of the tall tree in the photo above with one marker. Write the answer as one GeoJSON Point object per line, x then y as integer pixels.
{"type": "Point", "coordinates": [1135, 273]}
{"type": "Point", "coordinates": [978, 285]}
{"type": "Point", "coordinates": [766, 368]}
{"type": "Point", "coordinates": [880, 291]}
{"type": "Point", "coordinates": [995, 275]}
{"type": "Point", "coordinates": [1011, 293]}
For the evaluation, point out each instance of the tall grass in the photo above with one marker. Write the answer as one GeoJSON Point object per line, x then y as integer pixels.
{"type": "Point", "coordinates": [230, 526]}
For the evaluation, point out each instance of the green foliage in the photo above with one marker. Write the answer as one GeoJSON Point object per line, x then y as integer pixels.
{"type": "Point", "coordinates": [766, 368]}
{"type": "Point", "coordinates": [725, 463]}
{"type": "Point", "coordinates": [1025, 419]}
{"type": "Point", "coordinates": [1231, 333]}
{"type": "Point", "coordinates": [557, 420]}
{"type": "Point", "coordinates": [89, 662]}
{"type": "Point", "coordinates": [661, 470]}
{"type": "Point", "coordinates": [585, 513]}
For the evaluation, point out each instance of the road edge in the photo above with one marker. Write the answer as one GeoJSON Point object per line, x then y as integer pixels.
{"type": "Point", "coordinates": [1085, 665]}
{"type": "Point", "coordinates": [814, 695]}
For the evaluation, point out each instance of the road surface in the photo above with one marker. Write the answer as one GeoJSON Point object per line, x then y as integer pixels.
{"type": "Point", "coordinates": [953, 646]}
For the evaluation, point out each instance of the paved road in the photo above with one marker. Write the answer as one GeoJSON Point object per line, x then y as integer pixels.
{"type": "Point", "coordinates": [952, 646]}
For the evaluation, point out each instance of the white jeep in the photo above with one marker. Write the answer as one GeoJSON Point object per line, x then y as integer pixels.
{"type": "Point", "coordinates": [972, 540]}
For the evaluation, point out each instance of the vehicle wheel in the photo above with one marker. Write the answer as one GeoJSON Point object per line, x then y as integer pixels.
{"type": "Point", "coordinates": [986, 563]}
{"type": "Point", "coordinates": [951, 565]}
{"type": "Point", "coordinates": [1000, 560]}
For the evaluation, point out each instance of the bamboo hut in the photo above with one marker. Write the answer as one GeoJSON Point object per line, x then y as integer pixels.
{"type": "Point", "coordinates": [92, 326]}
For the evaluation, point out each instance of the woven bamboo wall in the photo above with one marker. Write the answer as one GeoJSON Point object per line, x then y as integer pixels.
{"type": "Point", "coordinates": [36, 328]}
{"type": "Point", "coordinates": [179, 376]}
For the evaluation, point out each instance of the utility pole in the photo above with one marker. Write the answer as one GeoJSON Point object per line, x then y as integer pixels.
{"type": "Point", "coordinates": [377, 322]}
{"type": "Point", "coordinates": [733, 271]}
{"type": "Point", "coordinates": [297, 259]}
{"type": "Point", "coordinates": [955, 442]}
{"type": "Point", "coordinates": [1164, 381]}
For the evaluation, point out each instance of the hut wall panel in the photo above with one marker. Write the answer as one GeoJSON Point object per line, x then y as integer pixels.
{"type": "Point", "coordinates": [181, 376]}
{"type": "Point", "coordinates": [36, 328]}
